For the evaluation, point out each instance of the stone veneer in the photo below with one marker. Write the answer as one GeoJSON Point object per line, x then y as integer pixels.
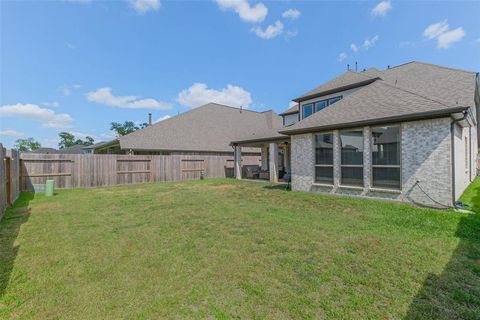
{"type": "Point", "coordinates": [425, 157]}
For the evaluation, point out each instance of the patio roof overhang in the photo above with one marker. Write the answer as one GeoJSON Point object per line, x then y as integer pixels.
{"type": "Point", "coordinates": [259, 141]}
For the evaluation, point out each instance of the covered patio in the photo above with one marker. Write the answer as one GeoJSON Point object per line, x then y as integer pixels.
{"type": "Point", "coordinates": [275, 156]}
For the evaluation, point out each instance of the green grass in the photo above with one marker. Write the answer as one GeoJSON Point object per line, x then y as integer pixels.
{"type": "Point", "coordinates": [227, 249]}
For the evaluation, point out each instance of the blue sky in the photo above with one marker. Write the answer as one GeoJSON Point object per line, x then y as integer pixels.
{"type": "Point", "coordinates": [79, 65]}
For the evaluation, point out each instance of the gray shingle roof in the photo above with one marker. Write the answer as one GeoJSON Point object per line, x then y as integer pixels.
{"type": "Point", "coordinates": [409, 90]}
{"type": "Point", "coordinates": [207, 128]}
{"type": "Point", "coordinates": [349, 79]}
{"type": "Point", "coordinates": [375, 103]}
{"type": "Point", "coordinates": [291, 110]}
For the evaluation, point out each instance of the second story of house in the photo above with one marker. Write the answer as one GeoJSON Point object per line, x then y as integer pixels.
{"type": "Point", "coordinates": [450, 86]}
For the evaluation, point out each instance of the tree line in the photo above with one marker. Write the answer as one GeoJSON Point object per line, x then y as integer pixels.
{"type": "Point", "coordinates": [67, 139]}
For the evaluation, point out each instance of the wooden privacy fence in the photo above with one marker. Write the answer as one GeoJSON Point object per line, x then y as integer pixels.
{"type": "Point", "coordinates": [87, 170]}
{"type": "Point", "coordinates": [9, 178]}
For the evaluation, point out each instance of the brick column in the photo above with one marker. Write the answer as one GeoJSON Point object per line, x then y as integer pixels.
{"type": "Point", "coordinates": [273, 164]}
{"type": "Point", "coordinates": [286, 158]}
{"type": "Point", "coordinates": [237, 160]}
{"type": "Point", "coordinates": [367, 157]}
{"type": "Point", "coordinates": [336, 158]}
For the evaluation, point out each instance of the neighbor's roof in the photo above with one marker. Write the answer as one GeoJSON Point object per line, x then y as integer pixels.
{"type": "Point", "coordinates": [210, 127]}
{"type": "Point", "coordinates": [101, 144]}
{"type": "Point", "coordinates": [409, 91]}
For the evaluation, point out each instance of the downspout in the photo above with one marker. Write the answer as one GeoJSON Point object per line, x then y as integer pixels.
{"type": "Point", "coordinates": [452, 135]}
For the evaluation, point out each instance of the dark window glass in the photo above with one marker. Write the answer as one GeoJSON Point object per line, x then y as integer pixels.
{"type": "Point", "coordinates": [352, 147]}
{"type": "Point", "coordinates": [307, 110]}
{"type": "Point", "coordinates": [386, 146]}
{"type": "Point", "coordinates": [324, 148]}
{"type": "Point", "coordinates": [352, 176]}
{"type": "Point", "coordinates": [333, 100]}
{"type": "Point", "coordinates": [320, 105]}
{"type": "Point", "coordinates": [386, 177]}
{"type": "Point", "coordinates": [324, 175]}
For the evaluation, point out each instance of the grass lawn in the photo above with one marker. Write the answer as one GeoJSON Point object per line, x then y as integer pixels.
{"type": "Point", "coordinates": [228, 249]}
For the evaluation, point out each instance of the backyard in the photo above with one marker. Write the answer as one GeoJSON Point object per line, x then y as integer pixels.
{"type": "Point", "coordinates": [234, 249]}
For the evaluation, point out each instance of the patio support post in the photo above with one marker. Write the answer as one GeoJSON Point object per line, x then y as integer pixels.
{"type": "Point", "coordinates": [264, 157]}
{"type": "Point", "coordinates": [273, 162]}
{"type": "Point", "coordinates": [286, 158]}
{"type": "Point", "coordinates": [237, 160]}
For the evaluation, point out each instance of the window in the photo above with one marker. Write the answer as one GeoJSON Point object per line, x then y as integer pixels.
{"type": "Point", "coordinates": [351, 157]}
{"type": "Point", "coordinates": [320, 105]}
{"type": "Point", "coordinates": [324, 158]}
{"type": "Point", "coordinates": [307, 110]}
{"type": "Point", "coordinates": [333, 100]}
{"type": "Point", "coordinates": [386, 157]}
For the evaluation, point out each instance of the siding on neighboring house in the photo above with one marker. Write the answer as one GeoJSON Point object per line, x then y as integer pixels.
{"type": "Point", "coordinates": [425, 157]}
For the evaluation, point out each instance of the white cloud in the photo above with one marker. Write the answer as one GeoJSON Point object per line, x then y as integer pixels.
{"type": "Point", "coordinates": [342, 56]}
{"type": "Point", "coordinates": [105, 96]}
{"type": "Point", "coordinates": [165, 117]}
{"type": "Point", "coordinates": [368, 43]}
{"type": "Point", "coordinates": [270, 32]}
{"type": "Point", "coordinates": [446, 39]}
{"type": "Point", "coordinates": [436, 29]}
{"type": "Point", "coordinates": [291, 14]}
{"type": "Point", "coordinates": [291, 33]}
{"type": "Point", "coordinates": [354, 47]}
{"type": "Point", "coordinates": [247, 12]}
{"type": "Point", "coordinates": [442, 33]}
{"type": "Point", "coordinates": [53, 104]}
{"type": "Point", "coordinates": [68, 89]}
{"type": "Point", "coordinates": [47, 117]}
{"type": "Point", "coordinates": [382, 8]}
{"type": "Point", "coordinates": [143, 6]}
{"type": "Point", "coordinates": [11, 133]}
{"type": "Point", "coordinates": [198, 94]}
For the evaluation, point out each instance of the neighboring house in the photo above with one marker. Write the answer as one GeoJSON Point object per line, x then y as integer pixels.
{"type": "Point", "coordinates": [104, 147]}
{"type": "Point", "coordinates": [76, 149]}
{"type": "Point", "coordinates": [407, 133]}
{"type": "Point", "coordinates": [206, 130]}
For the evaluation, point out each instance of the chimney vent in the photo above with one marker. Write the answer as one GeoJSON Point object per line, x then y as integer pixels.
{"type": "Point", "coordinates": [149, 119]}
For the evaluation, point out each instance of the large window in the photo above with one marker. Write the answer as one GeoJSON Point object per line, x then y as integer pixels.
{"type": "Point", "coordinates": [310, 108]}
{"type": "Point", "coordinates": [352, 157]}
{"type": "Point", "coordinates": [386, 157]}
{"type": "Point", "coordinates": [324, 158]}
{"type": "Point", "coordinates": [307, 110]}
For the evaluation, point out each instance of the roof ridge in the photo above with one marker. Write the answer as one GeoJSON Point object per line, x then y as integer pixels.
{"type": "Point", "coordinates": [231, 107]}
{"type": "Point", "coordinates": [432, 65]}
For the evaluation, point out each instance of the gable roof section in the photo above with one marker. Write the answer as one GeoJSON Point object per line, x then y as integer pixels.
{"type": "Point", "coordinates": [451, 86]}
{"type": "Point", "coordinates": [209, 128]}
{"type": "Point", "coordinates": [348, 80]}
{"type": "Point", "coordinates": [292, 110]}
{"type": "Point", "coordinates": [376, 103]}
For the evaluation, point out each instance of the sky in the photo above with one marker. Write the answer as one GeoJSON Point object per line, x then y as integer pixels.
{"type": "Point", "coordinates": [78, 65]}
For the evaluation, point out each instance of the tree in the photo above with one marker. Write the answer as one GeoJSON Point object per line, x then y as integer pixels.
{"type": "Point", "coordinates": [28, 144]}
{"type": "Point", "coordinates": [125, 128]}
{"type": "Point", "coordinates": [67, 140]}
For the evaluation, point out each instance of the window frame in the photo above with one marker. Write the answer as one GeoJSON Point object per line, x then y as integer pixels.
{"type": "Point", "coordinates": [352, 165]}
{"type": "Point", "coordinates": [399, 166]}
{"type": "Point", "coordinates": [310, 104]}
{"type": "Point", "coordinates": [314, 105]}
{"type": "Point", "coordinates": [315, 165]}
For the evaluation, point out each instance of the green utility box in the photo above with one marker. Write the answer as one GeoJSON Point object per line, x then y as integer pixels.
{"type": "Point", "coordinates": [49, 186]}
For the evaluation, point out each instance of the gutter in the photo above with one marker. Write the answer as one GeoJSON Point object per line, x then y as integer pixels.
{"type": "Point", "coordinates": [452, 135]}
{"type": "Point", "coordinates": [385, 120]}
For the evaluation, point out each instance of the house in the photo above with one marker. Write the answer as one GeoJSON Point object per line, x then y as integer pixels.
{"type": "Point", "coordinates": [104, 147]}
{"type": "Point", "coordinates": [206, 130]}
{"type": "Point", "coordinates": [75, 149]}
{"type": "Point", "coordinates": [407, 133]}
